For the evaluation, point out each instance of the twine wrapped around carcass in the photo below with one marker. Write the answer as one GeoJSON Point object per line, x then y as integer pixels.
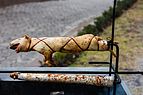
{"type": "Point", "coordinates": [48, 45]}
{"type": "Point", "coordinates": [66, 78]}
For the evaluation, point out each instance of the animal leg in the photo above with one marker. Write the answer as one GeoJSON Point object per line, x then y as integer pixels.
{"type": "Point", "coordinates": [48, 63]}
{"type": "Point", "coordinates": [48, 60]}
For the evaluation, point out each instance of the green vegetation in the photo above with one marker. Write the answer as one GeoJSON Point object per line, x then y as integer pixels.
{"type": "Point", "coordinates": [128, 32]}
{"type": "Point", "coordinates": [100, 24]}
{"type": "Point", "coordinates": [105, 19]}
{"type": "Point", "coordinates": [64, 59]}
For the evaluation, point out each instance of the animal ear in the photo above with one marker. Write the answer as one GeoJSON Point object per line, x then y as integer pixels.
{"type": "Point", "coordinates": [99, 38]}
{"type": "Point", "coordinates": [27, 37]}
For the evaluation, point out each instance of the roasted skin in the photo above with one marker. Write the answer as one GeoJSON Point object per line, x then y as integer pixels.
{"type": "Point", "coordinates": [48, 45]}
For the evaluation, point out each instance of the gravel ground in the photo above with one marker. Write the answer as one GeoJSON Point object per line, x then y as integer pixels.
{"type": "Point", "coordinates": [37, 19]}
{"type": "Point", "coordinates": [135, 82]}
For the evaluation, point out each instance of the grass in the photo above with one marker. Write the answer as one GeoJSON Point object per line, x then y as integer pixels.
{"type": "Point", "coordinates": [129, 34]}
{"type": "Point", "coordinates": [90, 56]}
{"type": "Point", "coordinates": [105, 19]}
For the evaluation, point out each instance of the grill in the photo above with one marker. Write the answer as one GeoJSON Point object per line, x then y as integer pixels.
{"type": "Point", "coordinates": [20, 87]}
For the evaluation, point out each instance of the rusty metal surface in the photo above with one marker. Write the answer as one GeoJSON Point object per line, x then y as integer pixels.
{"type": "Point", "coordinates": [66, 78]}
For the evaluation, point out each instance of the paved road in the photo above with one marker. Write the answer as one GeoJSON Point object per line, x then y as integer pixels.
{"type": "Point", "coordinates": [50, 18]}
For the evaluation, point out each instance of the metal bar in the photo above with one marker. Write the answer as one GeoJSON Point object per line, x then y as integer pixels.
{"type": "Point", "coordinates": [66, 78]}
{"type": "Point", "coordinates": [117, 58]}
{"type": "Point", "coordinates": [130, 72]}
{"type": "Point", "coordinates": [64, 70]}
{"type": "Point", "coordinates": [110, 67]}
{"type": "Point", "coordinates": [77, 72]}
{"type": "Point", "coordinates": [118, 77]}
{"type": "Point", "coordinates": [113, 21]}
{"type": "Point", "coordinates": [112, 35]}
{"type": "Point", "coordinates": [54, 68]}
{"type": "Point", "coordinates": [113, 30]}
{"type": "Point", "coordinates": [70, 72]}
{"type": "Point", "coordinates": [116, 69]}
{"type": "Point", "coordinates": [99, 63]}
{"type": "Point", "coordinates": [117, 49]}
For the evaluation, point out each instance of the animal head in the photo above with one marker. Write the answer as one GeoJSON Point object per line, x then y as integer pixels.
{"type": "Point", "coordinates": [103, 45]}
{"type": "Point", "coordinates": [21, 44]}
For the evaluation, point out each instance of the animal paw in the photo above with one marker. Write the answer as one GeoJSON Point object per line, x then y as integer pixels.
{"type": "Point", "coordinates": [49, 64]}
